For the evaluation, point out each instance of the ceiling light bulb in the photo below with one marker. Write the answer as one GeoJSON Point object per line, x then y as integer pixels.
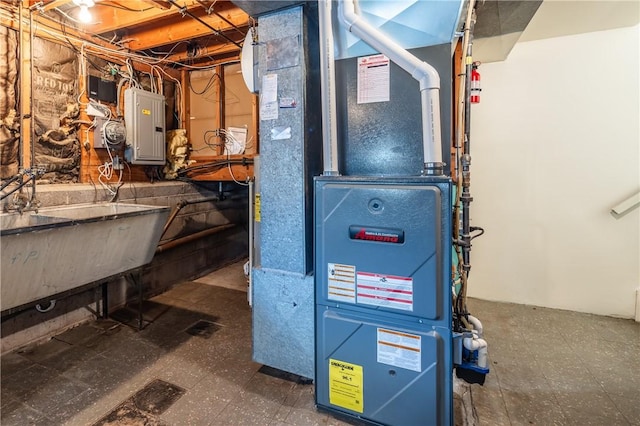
{"type": "Point", "coordinates": [84, 15]}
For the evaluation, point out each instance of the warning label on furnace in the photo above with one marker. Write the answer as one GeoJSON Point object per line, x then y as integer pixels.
{"type": "Point", "coordinates": [399, 349]}
{"type": "Point", "coordinates": [385, 290]}
{"type": "Point", "coordinates": [345, 385]}
{"type": "Point", "coordinates": [341, 282]}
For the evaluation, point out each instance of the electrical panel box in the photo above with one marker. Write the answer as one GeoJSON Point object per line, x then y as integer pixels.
{"type": "Point", "coordinates": [144, 118]}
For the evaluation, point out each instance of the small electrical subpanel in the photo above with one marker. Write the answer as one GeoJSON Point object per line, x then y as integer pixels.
{"type": "Point", "coordinates": [145, 122]}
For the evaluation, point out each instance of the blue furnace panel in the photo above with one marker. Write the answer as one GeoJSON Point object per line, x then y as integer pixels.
{"type": "Point", "coordinates": [383, 298]}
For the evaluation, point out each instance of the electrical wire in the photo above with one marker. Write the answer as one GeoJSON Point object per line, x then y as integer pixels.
{"type": "Point", "coordinates": [157, 66]}
{"type": "Point", "coordinates": [231, 142]}
{"type": "Point", "coordinates": [207, 86]}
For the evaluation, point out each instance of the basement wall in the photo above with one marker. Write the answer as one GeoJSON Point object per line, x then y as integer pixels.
{"type": "Point", "coordinates": [555, 145]}
{"type": "Point", "coordinates": [172, 266]}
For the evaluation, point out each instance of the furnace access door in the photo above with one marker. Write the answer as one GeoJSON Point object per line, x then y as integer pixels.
{"type": "Point", "coordinates": [383, 298]}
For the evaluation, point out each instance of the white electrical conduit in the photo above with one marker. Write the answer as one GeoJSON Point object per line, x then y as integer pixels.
{"type": "Point", "coordinates": [426, 75]}
{"type": "Point", "coordinates": [328, 90]}
{"type": "Point", "coordinates": [479, 345]}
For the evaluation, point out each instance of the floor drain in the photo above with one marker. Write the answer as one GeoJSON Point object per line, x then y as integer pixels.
{"type": "Point", "coordinates": [143, 407]}
{"type": "Point", "coordinates": [203, 328]}
{"type": "Point", "coordinates": [157, 396]}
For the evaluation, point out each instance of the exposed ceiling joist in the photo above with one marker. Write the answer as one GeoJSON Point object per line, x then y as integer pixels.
{"type": "Point", "coordinates": [161, 4]}
{"type": "Point", "coordinates": [214, 29]}
{"type": "Point", "coordinates": [149, 37]}
{"type": "Point", "coordinates": [52, 5]}
{"type": "Point", "coordinates": [112, 19]}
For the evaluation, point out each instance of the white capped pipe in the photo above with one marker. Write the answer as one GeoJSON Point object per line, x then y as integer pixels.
{"type": "Point", "coordinates": [426, 75]}
{"type": "Point", "coordinates": [328, 90]}
{"type": "Point", "coordinates": [475, 322]}
{"type": "Point", "coordinates": [479, 345]}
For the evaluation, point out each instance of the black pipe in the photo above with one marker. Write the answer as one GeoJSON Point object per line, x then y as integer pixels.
{"type": "Point", "coordinates": [466, 197]}
{"type": "Point", "coordinates": [243, 161]}
{"type": "Point", "coordinates": [193, 237]}
{"type": "Point", "coordinates": [22, 184]}
{"type": "Point", "coordinates": [229, 22]}
{"type": "Point", "coordinates": [216, 32]}
{"type": "Point", "coordinates": [179, 207]}
{"type": "Point", "coordinates": [10, 181]}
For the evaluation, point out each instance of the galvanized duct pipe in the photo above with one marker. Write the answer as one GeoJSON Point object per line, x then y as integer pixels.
{"type": "Point", "coordinates": [423, 72]}
{"type": "Point", "coordinates": [328, 89]}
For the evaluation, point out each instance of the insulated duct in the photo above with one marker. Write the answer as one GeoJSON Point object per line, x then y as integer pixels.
{"type": "Point", "coordinates": [425, 74]}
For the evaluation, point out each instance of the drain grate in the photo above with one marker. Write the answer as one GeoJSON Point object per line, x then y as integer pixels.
{"type": "Point", "coordinates": [203, 329]}
{"type": "Point", "coordinates": [143, 407]}
{"type": "Point", "coordinates": [157, 396]}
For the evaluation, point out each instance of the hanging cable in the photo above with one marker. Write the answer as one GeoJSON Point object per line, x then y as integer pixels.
{"type": "Point", "coordinates": [184, 11]}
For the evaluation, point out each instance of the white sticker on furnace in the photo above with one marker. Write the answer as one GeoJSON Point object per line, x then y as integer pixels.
{"type": "Point", "coordinates": [341, 282]}
{"type": "Point", "coordinates": [388, 291]}
{"type": "Point", "coordinates": [399, 349]}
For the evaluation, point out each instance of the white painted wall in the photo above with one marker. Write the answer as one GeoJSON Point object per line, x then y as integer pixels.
{"type": "Point", "coordinates": [555, 145]}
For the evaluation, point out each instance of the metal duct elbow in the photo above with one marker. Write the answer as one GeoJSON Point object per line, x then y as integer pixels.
{"type": "Point", "coordinates": [424, 73]}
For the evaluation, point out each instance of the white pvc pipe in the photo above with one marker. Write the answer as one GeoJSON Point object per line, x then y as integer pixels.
{"type": "Point", "coordinates": [424, 73]}
{"type": "Point", "coordinates": [328, 90]}
{"type": "Point", "coordinates": [479, 345]}
{"type": "Point", "coordinates": [475, 322]}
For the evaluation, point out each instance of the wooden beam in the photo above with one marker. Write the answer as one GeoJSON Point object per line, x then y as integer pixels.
{"type": "Point", "coordinates": [55, 3]}
{"type": "Point", "coordinates": [161, 4]}
{"type": "Point", "coordinates": [184, 29]}
{"type": "Point", "coordinates": [219, 60]}
{"type": "Point", "coordinates": [185, 114]}
{"type": "Point", "coordinates": [241, 172]}
{"type": "Point", "coordinates": [13, 24]}
{"type": "Point", "coordinates": [204, 52]}
{"type": "Point", "coordinates": [222, 101]}
{"type": "Point", "coordinates": [112, 19]}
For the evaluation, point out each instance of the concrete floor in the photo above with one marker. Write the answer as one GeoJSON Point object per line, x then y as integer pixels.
{"type": "Point", "coordinates": [548, 367]}
{"type": "Point", "coordinates": [554, 367]}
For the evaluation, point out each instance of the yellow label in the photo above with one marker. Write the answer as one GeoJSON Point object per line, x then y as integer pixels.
{"type": "Point", "coordinates": [146, 111]}
{"type": "Point", "coordinates": [345, 385]}
{"type": "Point", "coordinates": [256, 212]}
{"type": "Point", "coordinates": [469, 60]}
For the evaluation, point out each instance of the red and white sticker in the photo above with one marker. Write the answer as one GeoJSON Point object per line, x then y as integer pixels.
{"type": "Point", "coordinates": [399, 349]}
{"type": "Point", "coordinates": [388, 291]}
{"type": "Point", "coordinates": [341, 282]}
